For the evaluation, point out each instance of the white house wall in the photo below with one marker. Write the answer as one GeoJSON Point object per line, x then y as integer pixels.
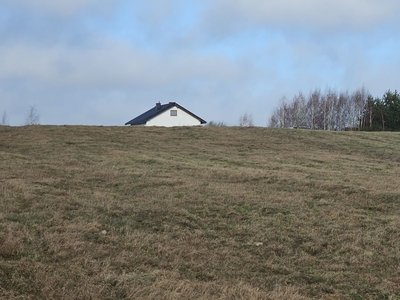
{"type": "Point", "coordinates": [165, 119]}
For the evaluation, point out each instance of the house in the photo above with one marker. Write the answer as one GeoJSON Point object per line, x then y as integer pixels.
{"type": "Point", "coordinates": [168, 115]}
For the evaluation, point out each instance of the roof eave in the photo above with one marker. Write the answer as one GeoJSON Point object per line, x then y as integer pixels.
{"type": "Point", "coordinates": [161, 110]}
{"type": "Point", "coordinates": [190, 113]}
{"type": "Point", "coordinates": [135, 123]}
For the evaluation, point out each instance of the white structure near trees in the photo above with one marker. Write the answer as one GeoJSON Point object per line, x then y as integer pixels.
{"type": "Point", "coordinates": [167, 115]}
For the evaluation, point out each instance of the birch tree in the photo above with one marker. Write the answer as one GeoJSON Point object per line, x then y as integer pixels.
{"type": "Point", "coordinates": [33, 117]}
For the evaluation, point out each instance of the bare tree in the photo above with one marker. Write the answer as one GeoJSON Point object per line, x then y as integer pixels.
{"type": "Point", "coordinates": [332, 100]}
{"type": "Point", "coordinates": [324, 108]}
{"type": "Point", "coordinates": [299, 110]}
{"type": "Point", "coordinates": [369, 111]}
{"type": "Point", "coordinates": [246, 120]}
{"type": "Point", "coordinates": [33, 116]}
{"type": "Point", "coordinates": [325, 111]}
{"type": "Point", "coordinates": [279, 118]}
{"type": "Point", "coordinates": [312, 107]}
{"type": "Point", "coordinates": [358, 101]}
{"type": "Point", "coordinates": [4, 119]}
{"type": "Point", "coordinates": [341, 112]}
{"type": "Point", "coordinates": [273, 121]}
{"type": "Point", "coordinates": [361, 104]}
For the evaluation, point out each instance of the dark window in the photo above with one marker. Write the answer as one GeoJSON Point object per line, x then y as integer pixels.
{"type": "Point", "coordinates": [174, 112]}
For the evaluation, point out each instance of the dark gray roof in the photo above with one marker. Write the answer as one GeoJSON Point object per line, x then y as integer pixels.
{"type": "Point", "coordinates": [158, 109]}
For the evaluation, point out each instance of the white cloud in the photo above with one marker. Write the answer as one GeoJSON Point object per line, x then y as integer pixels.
{"type": "Point", "coordinates": [111, 64]}
{"type": "Point", "coordinates": [316, 14]}
{"type": "Point", "coordinates": [57, 7]}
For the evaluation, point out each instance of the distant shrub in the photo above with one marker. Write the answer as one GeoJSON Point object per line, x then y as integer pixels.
{"type": "Point", "coordinates": [246, 120]}
{"type": "Point", "coordinates": [217, 124]}
{"type": "Point", "coordinates": [4, 119]}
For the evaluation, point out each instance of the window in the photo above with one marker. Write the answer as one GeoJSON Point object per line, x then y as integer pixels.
{"type": "Point", "coordinates": [174, 112]}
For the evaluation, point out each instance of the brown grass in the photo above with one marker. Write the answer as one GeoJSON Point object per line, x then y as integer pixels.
{"type": "Point", "coordinates": [198, 213]}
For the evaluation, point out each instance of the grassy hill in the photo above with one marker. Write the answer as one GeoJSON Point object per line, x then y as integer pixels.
{"type": "Point", "coordinates": [198, 213]}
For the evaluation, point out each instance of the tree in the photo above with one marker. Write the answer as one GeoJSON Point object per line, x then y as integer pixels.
{"type": "Point", "coordinates": [246, 120]}
{"type": "Point", "coordinates": [341, 112]}
{"type": "Point", "coordinates": [273, 122]}
{"type": "Point", "coordinates": [4, 119]}
{"type": "Point", "coordinates": [359, 102]}
{"type": "Point", "coordinates": [369, 113]}
{"type": "Point", "coordinates": [312, 106]}
{"type": "Point", "coordinates": [325, 111]}
{"type": "Point", "coordinates": [299, 110]}
{"type": "Point", "coordinates": [382, 113]}
{"type": "Point", "coordinates": [33, 117]}
{"type": "Point", "coordinates": [391, 101]}
{"type": "Point", "coordinates": [331, 109]}
{"type": "Point", "coordinates": [283, 113]}
{"type": "Point", "coordinates": [376, 112]}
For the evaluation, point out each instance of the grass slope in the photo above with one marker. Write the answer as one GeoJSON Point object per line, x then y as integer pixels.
{"type": "Point", "coordinates": [198, 213]}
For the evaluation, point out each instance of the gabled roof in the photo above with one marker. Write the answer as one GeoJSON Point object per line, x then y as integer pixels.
{"type": "Point", "coordinates": [158, 109]}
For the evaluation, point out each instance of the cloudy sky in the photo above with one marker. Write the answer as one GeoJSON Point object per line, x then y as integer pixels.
{"type": "Point", "coordinates": [103, 62]}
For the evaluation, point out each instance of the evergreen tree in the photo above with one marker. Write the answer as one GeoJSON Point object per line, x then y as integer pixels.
{"type": "Point", "coordinates": [391, 101]}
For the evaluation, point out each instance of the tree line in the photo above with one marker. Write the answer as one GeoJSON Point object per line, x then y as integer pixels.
{"type": "Point", "coordinates": [382, 113]}
{"type": "Point", "coordinates": [332, 110]}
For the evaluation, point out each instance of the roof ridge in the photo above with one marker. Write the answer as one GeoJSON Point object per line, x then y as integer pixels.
{"type": "Point", "coordinates": [158, 109]}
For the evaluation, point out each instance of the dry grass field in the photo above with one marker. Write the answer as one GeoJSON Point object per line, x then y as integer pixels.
{"type": "Point", "coordinates": [198, 213]}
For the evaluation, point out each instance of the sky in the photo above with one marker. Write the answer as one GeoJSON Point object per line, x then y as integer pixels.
{"type": "Point", "coordinates": [104, 62]}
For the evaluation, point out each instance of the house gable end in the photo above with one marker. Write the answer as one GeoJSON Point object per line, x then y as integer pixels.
{"type": "Point", "coordinates": [160, 116]}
